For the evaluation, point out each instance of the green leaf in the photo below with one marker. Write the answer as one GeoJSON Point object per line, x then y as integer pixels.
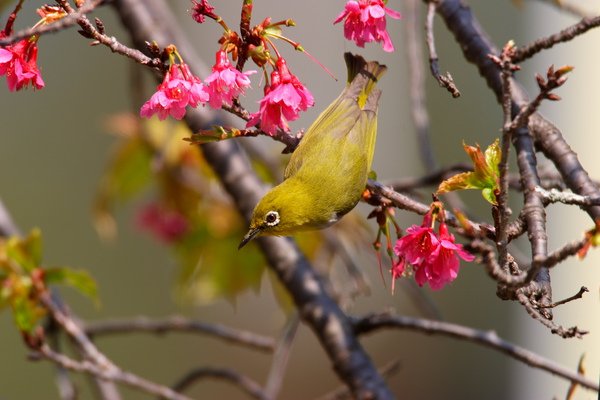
{"type": "Point", "coordinates": [484, 176]}
{"type": "Point", "coordinates": [76, 278]}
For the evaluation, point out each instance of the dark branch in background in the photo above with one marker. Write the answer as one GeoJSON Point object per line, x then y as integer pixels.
{"type": "Point", "coordinates": [371, 323]}
{"type": "Point", "coordinates": [446, 80]}
{"type": "Point", "coordinates": [416, 68]}
{"type": "Point", "coordinates": [249, 386]}
{"type": "Point", "coordinates": [180, 324]}
{"type": "Point", "coordinates": [146, 20]}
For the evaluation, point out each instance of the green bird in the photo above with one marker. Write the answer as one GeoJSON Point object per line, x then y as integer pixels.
{"type": "Point", "coordinates": [327, 172]}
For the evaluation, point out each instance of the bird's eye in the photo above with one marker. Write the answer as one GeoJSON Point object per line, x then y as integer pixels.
{"type": "Point", "coordinates": [272, 218]}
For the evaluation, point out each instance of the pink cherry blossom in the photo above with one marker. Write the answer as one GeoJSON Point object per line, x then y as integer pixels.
{"type": "Point", "coordinates": [418, 243]}
{"type": "Point", "coordinates": [201, 9]}
{"type": "Point", "coordinates": [225, 83]}
{"type": "Point", "coordinates": [19, 63]}
{"type": "Point", "coordinates": [179, 89]}
{"type": "Point", "coordinates": [443, 263]}
{"type": "Point", "coordinates": [365, 21]}
{"type": "Point", "coordinates": [434, 257]}
{"type": "Point", "coordinates": [284, 98]}
{"type": "Point", "coordinates": [165, 224]}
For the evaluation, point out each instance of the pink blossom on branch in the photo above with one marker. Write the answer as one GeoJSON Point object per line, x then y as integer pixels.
{"type": "Point", "coordinates": [284, 98]}
{"type": "Point", "coordinates": [19, 63]}
{"type": "Point", "coordinates": [178, 89]}
{"type": "Point", "coordinates": [434, 257]}
{"type": "Point", "coordinates": [365, 21]}
{"type": "Point", "coordinates": [225, 83]}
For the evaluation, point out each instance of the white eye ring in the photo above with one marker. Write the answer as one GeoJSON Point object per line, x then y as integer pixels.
{"type": "Point", "coordinates": [272, 218]}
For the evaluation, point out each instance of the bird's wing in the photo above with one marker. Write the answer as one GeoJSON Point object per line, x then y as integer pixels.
{"type": "Point", "coordinates": [337, 120]}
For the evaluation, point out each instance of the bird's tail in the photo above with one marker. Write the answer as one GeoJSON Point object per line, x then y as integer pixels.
{"type": "Point", "coordinates": [362, 76]}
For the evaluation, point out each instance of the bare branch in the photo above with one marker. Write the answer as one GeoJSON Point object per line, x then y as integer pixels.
{"type": "Point", "coordinates": [56, 26]}
{"type": "Point", "coordinates": [557, 196]}
{"type": "Point", "coordinates": [111, 374]}
{"type": "Point", "coordinates": [576, 296]}
{"type": "Point", "coordinates": [565, 35]}
{"type": "Point", "coordinates": [180, 324]}
{"type": "Point", "coordinates": [489, 339]}
{"type": "Point", "coordinates": [418, 108]}
{"type": "Point", "coordinates": [446, 80]}
{"type": "Point", "coordinates": [526, 296]}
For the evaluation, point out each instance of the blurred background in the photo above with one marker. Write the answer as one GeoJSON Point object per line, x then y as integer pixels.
{"type": "Point", "coordinates": [54, 148]}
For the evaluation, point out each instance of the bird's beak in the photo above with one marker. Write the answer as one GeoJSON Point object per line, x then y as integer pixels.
{"type": "Point", "coordinates": [249, 236]}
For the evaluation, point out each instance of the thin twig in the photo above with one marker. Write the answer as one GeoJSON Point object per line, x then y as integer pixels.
{"type": "Point", "coordinates": [576, 296]}
{"type": "Point", "coordinates": [404, 202]}
{"type": "Point", "coordinates": [180, 324]}
{"type": "Point", "coordinates": [111, 374]}
{"type": "Point", "coordinates": [565, 35]}
{"type": "Point", "coordinates": [416, 68]}
{"type": "Point", "coordinates": [248, 385]}
{"type": "Point", "coordinates": [489, 339]}
{"type": "Point", "coordinates": [446, 80]}
{"type": "Point", "coordinates": [567, 250]}
{"type": "Point", "coordinates": [56, 26]}
{"type": "Point", "coordinates": [526, 297]}
{"type": "Point", "coordinates": [281, 357]}
{"type": "Point", "coordinates": [432, 178]}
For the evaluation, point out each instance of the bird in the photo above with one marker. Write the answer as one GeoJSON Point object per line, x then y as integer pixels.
{"type": "Point", "coordinates": [327, 173]}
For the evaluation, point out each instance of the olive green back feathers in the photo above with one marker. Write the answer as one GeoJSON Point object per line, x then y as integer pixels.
{"type": "Point", "coordinates": [327, 172]}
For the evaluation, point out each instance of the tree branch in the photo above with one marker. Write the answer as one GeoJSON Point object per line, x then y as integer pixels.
{"type": "Point", "coordinates": [488, 339]}
{"type": "Point", "coordinates": [180, 324]}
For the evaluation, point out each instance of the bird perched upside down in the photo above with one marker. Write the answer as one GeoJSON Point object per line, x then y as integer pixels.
{"type": "Point", "coordinates": [327, 172]}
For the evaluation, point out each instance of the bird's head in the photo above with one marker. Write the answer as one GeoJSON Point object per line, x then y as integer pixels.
{"type": "Point", "coordinates": [280, 212]}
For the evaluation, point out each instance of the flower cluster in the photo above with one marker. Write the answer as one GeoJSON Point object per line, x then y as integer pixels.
{"type": "Point", "coordinates": [225, 83]}
{"type": "Point", "coordinates": [178, 89]}
{"type": "Point", "coordinates": [365, 22]}
{"type": "Point", "coordinates": [19, 63]}
{"type": "Point", "coordinates": [284, 98]}
{"type": "Point", "coordinates": [434, 256]}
